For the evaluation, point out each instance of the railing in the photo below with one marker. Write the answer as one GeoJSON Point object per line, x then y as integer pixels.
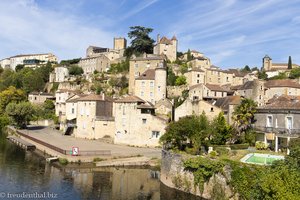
{"type": "Point", "coordinates": [62, 151]}
{"type": "Point", "coordinates": [278, 130]}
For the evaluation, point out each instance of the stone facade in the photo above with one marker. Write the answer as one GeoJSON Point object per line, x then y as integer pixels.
{"type": "Point", "coordinates": [190, 107]}
{"type": "Point", "coordinates": [199, 61]}
{"type": "Point", "coordinates": [167, 47]}
{"type": "Point", "coordinates": [195, 76]}
{"type": "Point", "coordinates": [94, 117]}
{"type": "Point", "coordinates": [39, 97]}
{"type": "Point", "coordinates": [136, 123]}
{"type": "Point", "coordinates": [279, 121]}
{"type": "Point", "coordinates": [90, 64]}
{"type": "Point", "coordinates": [25, 59]}
{"type": "Point", "coordinates": [120, 43]}
{"type": "Point", "coordinates": [139, 65]}
{"type": "Point", "coordinates": [61, 74]}
{"type": "Point", "coordinates": [61, 97]}
{"type": "Point", "coordinates": [207, 92]}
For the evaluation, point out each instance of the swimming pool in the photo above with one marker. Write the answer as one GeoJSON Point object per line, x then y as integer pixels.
{"type": "Point", "coordinates": [260, 159]}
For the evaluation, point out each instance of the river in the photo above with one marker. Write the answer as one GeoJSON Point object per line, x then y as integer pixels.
{"type": "Point", "coordinates": [25, 174]}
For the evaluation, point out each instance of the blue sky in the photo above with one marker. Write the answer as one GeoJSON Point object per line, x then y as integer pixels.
{"type": "Point", "coordinates": [232, 33]}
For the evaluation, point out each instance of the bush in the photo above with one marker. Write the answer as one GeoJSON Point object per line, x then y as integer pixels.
{"type": "Point", "coordinates": [63, 161]}
{"type": "Point", "coordinates": [261, 145]}
{"type": "Point", "coordinates": [213, 154]}
{"type": "Point", "coordinates": [222, 150]}
{"type": "Point", "coordinates": [239, 146]}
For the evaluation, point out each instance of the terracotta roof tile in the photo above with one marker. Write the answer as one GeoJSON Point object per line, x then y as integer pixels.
{"type": "Point", "coordinates": [165, 40]}
{"type": "Point", "coordinates": [282, 83]}
{"type": "Point", "coordinates": [214, 87]}
{"type": "Point", "coordinates": [282, 102]}
{"type": "Point", "coordinates": [224, 102]}
{"type": "Point", "coordinates": [95, 97]}
{"type": "Point", "coordinates": [147, 75]}
{"type": "Point", "coordinates": [130, 99]}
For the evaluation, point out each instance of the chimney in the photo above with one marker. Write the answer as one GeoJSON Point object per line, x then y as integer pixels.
{"type": "Point", "coordinates": [158, 38]}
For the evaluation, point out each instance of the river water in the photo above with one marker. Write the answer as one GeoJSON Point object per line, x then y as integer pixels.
{"type": "Point", "coordinates": [25, 174]}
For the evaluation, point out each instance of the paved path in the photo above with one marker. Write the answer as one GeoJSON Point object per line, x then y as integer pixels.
{"type": "Point", "coordinates": [55, 137]}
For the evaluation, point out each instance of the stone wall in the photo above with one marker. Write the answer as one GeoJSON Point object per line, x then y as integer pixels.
{"type": "Point", "coordinates": [173, 91]}
{"type": "Point", "coordinates": [173, 175]}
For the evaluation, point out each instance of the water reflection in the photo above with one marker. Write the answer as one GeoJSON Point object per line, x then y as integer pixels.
{"type": "Point", "coordinates": [22, 171]}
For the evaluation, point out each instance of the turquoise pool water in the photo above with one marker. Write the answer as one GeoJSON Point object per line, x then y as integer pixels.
{"type": "Point", "coordinates": [261, 159]}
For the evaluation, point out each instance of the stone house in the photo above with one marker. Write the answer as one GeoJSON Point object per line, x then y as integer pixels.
{"type": "Point", "coordinates": [164, 107]}
{"type": "Point", "coordinates": [278, 121]}
{"type": "Point", "coordinates": [94, 118]}
{"type": "Point", "coordinates": [167, 47]}
{"type": "Point", "coordinates": [254, 90]}
{"type": "Point", "coordinates": [138, 65]}
{"type": "Point", "coordinates": [136, 122]}
{"type": "Point", "coordinates": [195, 76]}
{"type": "Point", "coordinates": [199, 61]}
{"type": "Point", "coordinates": [208, 92]}
{"type": "Point", "coordinates": [281, 87]}
{"type": "Point", "coordinates": [196, 107]}
{"type": "Point", "coordinates": [60, 74]}
{"type": "Point", "coordinates": [39, 97]}
{"type": "Point", "coordinates": [151, 85]}
{"type": "Point", "coordinates": [227, 105]}
{"type": "Point", "coordinates": [61, 96]}
{"type": "Point", "coordinates": [90, 64]}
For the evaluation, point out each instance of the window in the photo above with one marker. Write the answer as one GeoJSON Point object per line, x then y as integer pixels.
{"type": "Point", "coordinates": [34, 98]}
{"type": "Point", "coordinates": [151, 94]}
{"type": "Point", "coordinates": [159, 88]}
{"type": "Point", "coordinates": [227, 79]}
{"type": "Point", "coordinates": [123, 122]}
{"type": "Point", "coordinates": [289, 122]}
{"type": "Point", "coordinates": [142, 93]}
{"type": "Point", "coordinates": [73, 110]}
{"type": "Point", "coordinates": [198, 75]}
{"type": "Point", "coordinates": [151, 84]}
{"type": "Point", "coordinates": [211, 109]}
{"type": "Point", "coordinates": [155, 134]}
{"type": "Point", "coordinates": [197, 81]}
{"type": "Point", "coordinates": [219, 80]}
{"type": "Point", "coordinates": [136, 65]}
{"type": "Point", "coordinates": [269, 121]}
{"type": "Point", "coordinates": [144, 121]}
{"type": "Point", "coordinates": [143, 83]}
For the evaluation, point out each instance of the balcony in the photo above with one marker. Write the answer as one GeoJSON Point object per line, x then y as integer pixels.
{"type": "Point", "coordinates": [294, 132]}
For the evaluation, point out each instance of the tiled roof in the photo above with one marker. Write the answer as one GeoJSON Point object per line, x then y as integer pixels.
{"type": "Point", "coordinates": [282, 83]}
{"type": "Point", "coordinates": [195, 86]}
{"type": "Point", "coordinates": [95, 97]}
{"type": "Point", "coordinates": [149, 57]}
{"type": "Point", "coordinates": [147, 75]}
{"type": "Point", "coordinates": [224, 102]}
{"type": "Point", "coordinates": [41, 93]}
{"type": "Point", "coordinates": [130, 99]}
{"type": "Point", "coordinates": [283, 102]}
{"type": "Point", "coordinates": [174, 38]}
{"type": "Point", "coordinates": [165, 40]}
{"type": "Point", "coordinates": [195, 69]}
{"type": "Point", "coordinates": [70, 91]}
{"type": "Point", "coordinates": [237, 72]}
{"type": "Point", "coordinates": [214, 87]}
{"type": "Point", "coordinates": [74, 99]}
{"type": "Point", "coordinates": [246, 86]}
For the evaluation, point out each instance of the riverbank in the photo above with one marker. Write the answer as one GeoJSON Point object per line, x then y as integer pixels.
{"type": "Point", "coordinates": [55, 144]}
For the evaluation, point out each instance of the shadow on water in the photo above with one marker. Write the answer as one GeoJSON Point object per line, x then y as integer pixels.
{"type": "Point", "coordinates": [22, 171]}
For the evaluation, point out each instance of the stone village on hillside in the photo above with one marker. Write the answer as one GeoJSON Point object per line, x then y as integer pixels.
{"type": "Point", "coordinates": [139, 115]}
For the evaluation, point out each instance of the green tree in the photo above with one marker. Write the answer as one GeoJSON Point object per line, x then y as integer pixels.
{"type": "Point", "coordinates": [221, 130]}
{"type": "Point", "coordinates": [189, 55]}
{"type": "Point", "coordinates": [171, 77]}
{"type": "Point", "coordinates": [75, 70]}
{"type": "Point", "coordinates": [19, 67]}
{"type": "Point", "coordinates": [140, 40]}
{"type": "Point", "coordinates": [246, 69]}
{"type": "Point", "coordinates": [11, 95]}
{"type": "Point", "coordinates": [295, 73]}
{"type": "Point", "coordinates": [262, 75]}
{"type": "Point", "coordinates": [1, 69]}
{"type": "Point", "coordinates": [70, 62]}
{"type": "Point", "coordinates": [290, 65]}
{"type": "Point", "coordinates": [45, 71]}
{"type": "Point", "coordinates": [180, 80]}
{"type": "Point", "coordinates": [243, 116]}
{"type": "Point", "coordinates": [280, 76]}
{"type": "Point", "coordinates": [293, 160]}
{"type": "Point", "coordinates": [32, 80]}
{"type": "Point", "coordinates": [20, 113]}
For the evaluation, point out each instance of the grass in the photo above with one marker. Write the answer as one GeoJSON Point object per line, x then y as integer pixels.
{"type": "Point", "coordinates": [63, 161]}
{"type": "Point", "coordinates": [98, 159]}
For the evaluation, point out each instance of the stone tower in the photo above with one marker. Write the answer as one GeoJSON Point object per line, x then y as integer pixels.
{"type": "Point", "coordinates": [160, 83]}
{"type": "Point", "coordinates": [267, 63]}
{"type": "Point", "coordinates": [120, 43]}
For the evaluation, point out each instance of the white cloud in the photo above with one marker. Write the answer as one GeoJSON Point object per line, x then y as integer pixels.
{"type": "Point", "coordinates": [27, 28]}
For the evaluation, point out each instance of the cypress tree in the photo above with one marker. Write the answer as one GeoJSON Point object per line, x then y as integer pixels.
{"type": "Point", "coordinates": [290, 63]}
